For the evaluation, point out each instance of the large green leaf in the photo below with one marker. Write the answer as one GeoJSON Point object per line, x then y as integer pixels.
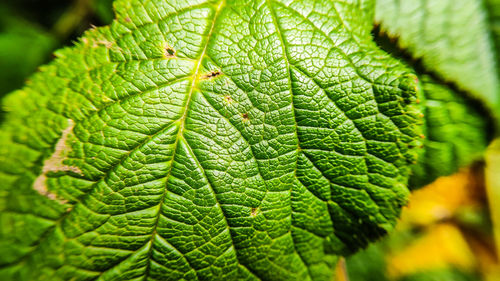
{"type": "Point", "coordinates": [219, 140]}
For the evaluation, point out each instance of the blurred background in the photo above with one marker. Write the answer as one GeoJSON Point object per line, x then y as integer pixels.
{"type": "Point", "coordinates": [30, 30]}
{"type": "Point", "coordinates": [445, 234]}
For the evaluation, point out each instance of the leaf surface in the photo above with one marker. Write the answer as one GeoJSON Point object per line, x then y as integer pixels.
{"type": "Point", "coordinates": [451, 46]}
{"type": "Point", "coordinates": [456, 132]}
{"type": "Point", "coordinates": [453, 38]}
{"type": "Point", "coordinates": [195, 140]}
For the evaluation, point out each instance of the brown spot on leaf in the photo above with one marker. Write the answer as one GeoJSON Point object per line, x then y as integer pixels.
{"type": "Point", "coordinates": [105, 43]}
{"type": "Point", "coordinates": [169, 52]}
{"type": "Point", "coordinates": [245, 117]}
{"type": "Point", "coordinates": [39, 185]}
{"type": "Point", "coordinates": [55, 164]}
{"type": "Point", "coordinates": [254, 212]}
{"type": "Point", "coordinates": [228, 99]}
{"type": "Point", "coordinates": [211, 74]}
{"type": "Point", "coordinates": [127, 19]}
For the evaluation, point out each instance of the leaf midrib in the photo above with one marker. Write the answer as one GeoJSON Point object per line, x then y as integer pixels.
{"type": "Point", "coordinates": [180, 134]}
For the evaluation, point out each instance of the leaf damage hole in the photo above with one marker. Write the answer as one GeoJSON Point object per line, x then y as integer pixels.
{"type": "Point", "coordinates": [55, 164]}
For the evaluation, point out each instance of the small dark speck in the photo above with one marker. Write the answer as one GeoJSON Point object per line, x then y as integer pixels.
{"type": "Point", "coordinates": [169, 52]}
{"type": "Point", "coordinates": [245, 116]}
{"type": "Point", "coordinates": [212, 74]}
{"type": "Point", "coordinates": [253, 212]}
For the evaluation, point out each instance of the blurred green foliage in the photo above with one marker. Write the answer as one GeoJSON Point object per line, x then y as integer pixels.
{"type": "Point", "coordinates": [370, 264]}
{"type": "Point", "coordinates": [30, 30]}
{"type": "Point", "coordinates": [445, 234]}
{"type": "Point", "coordinates": [441, 275]}
{"type": "Point", "coordinates": [23, 47]}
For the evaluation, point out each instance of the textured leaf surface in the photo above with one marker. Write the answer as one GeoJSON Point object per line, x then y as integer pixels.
{"type": "Point", "coordinates": [451, 47]}
{"type": "Point", "coordinates": [453, 38]}
{"type": "Point", "coordinates": [456, 132]}
{"type": "Point", "coordinates": [190, 140]}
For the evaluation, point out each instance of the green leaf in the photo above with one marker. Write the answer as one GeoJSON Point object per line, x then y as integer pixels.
{"type": "Point", "coordinates": [368, 264]}
{"type": "Point", "coordinates": [452, 38]}
{"type": "Point", "coordinates": [493, 7]}
{"type": "Point", "coordinates": [449, 44]}
{"type": "Point", "coordinates": [103, 9]}
{"type": "Point", "coordinates": [222, 140]}
{"type": "Point", "coordinates": [456, 132]}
